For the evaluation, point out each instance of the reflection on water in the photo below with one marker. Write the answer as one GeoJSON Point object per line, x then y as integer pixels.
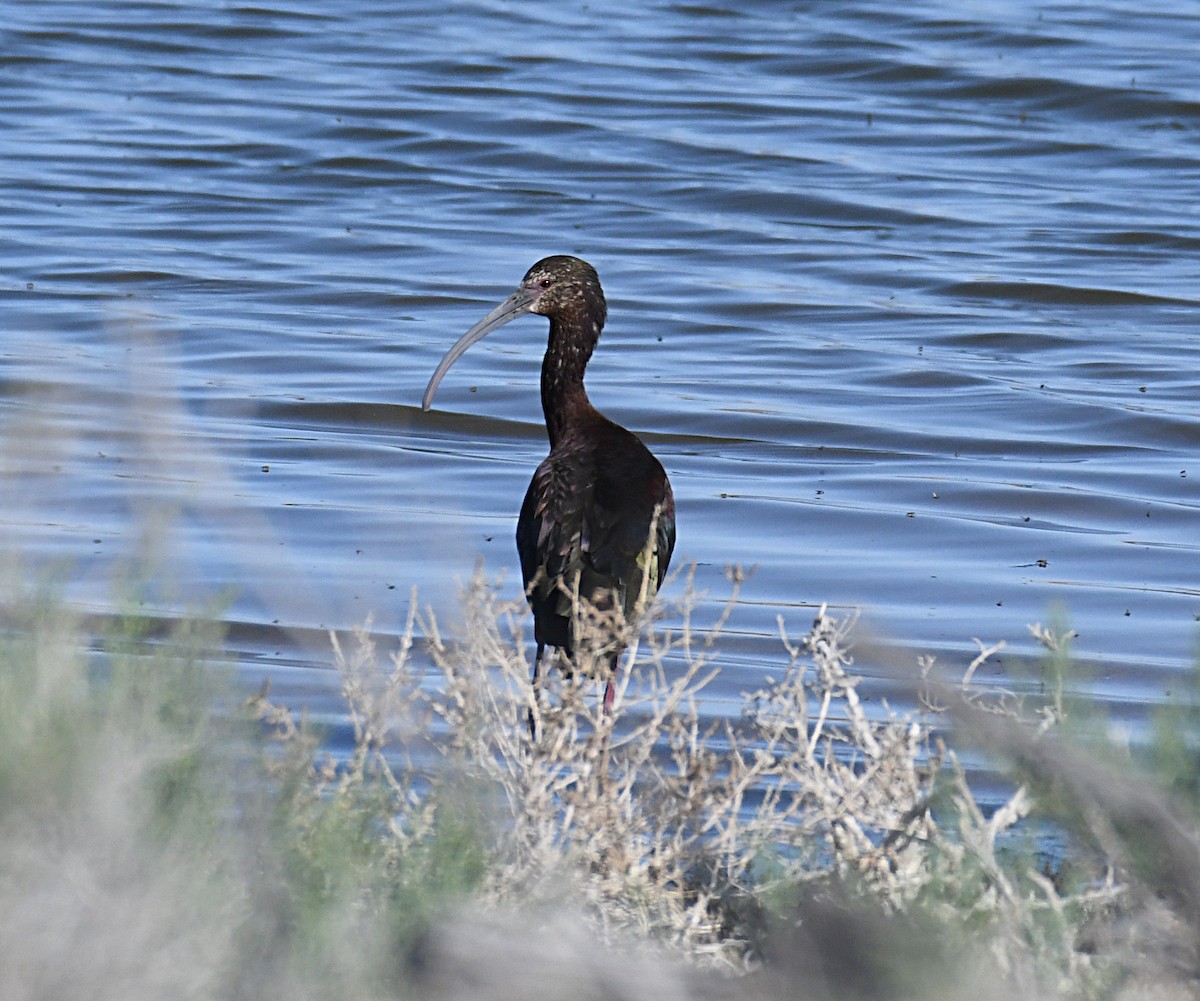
{"type": "Point", "coordinates": [888, 296]}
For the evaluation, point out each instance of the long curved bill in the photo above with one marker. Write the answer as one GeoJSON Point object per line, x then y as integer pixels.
{"type": "Point", "coordinates": [517, 304]}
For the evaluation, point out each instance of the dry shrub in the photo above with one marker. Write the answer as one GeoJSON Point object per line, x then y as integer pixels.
{"type": "Point", "coordinates": [658, 822]}
{"type": "Point", "coordinates": [666, 824]}
{"type": "Point", "coordinates": [807, 831]}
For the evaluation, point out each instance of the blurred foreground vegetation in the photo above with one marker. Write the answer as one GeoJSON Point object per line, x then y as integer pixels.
{"type": "Point", "coordinates": [164, 836]}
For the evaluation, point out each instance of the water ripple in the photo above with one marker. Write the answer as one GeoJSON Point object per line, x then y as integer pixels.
{"type": "Point", "coordinates": [904, 297]}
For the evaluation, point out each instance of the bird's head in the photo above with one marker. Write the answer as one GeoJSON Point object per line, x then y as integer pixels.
{"type": "Point", "coordinates": [563, 288]}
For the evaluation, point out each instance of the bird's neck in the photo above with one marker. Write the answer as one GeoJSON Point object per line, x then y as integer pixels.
{"type": "Point", "coordinates": [567, 354]}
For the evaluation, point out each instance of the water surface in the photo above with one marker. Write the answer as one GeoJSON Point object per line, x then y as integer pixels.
{"type": "Point", "coordinates": [904, 299]}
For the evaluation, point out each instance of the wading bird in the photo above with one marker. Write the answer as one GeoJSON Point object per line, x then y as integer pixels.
{"type": "Point", "coordinates": [598, 518]}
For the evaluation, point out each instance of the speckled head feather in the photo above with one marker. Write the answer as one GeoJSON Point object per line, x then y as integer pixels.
{"type": "Point", "coordinates": [567, 287]}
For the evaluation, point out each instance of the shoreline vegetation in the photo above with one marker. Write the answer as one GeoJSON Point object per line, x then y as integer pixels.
{"type": "Point", "coordinates": [166, 836]}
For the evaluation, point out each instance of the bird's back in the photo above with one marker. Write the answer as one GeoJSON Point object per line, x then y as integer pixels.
{"type": "Point", "coordinates": [587, 518]}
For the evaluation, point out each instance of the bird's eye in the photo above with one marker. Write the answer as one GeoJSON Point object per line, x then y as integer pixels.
{"type": "Point", "coordinates": [546, 282]}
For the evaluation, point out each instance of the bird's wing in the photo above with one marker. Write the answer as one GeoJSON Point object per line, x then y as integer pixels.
{"type": "Point", "coordinates": [632, 499]}
{"type": "Point", "coordinates": [550, 535]}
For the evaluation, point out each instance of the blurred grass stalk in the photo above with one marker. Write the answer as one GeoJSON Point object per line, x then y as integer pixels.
{"type": "Point", "coordinates": [163, 840]}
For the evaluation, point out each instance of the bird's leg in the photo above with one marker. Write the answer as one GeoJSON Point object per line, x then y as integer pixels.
{"type": "Point", "coordinates": [535, 682]}
{"type": "Point", "coordinates": [610, 689]}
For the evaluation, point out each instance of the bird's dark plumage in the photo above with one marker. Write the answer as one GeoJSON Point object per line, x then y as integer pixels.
{"type": "Point", "coordinates": [599, 516]}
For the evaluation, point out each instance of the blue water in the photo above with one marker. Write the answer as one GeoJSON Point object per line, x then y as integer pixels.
{"type": "Point", "coordinates": [905, 300]}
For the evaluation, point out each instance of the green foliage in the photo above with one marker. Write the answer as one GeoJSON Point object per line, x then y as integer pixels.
{"type": "Point", "coordinates": [1173, 756]}
{"type": "Point", "coordinates": [112, 806]}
